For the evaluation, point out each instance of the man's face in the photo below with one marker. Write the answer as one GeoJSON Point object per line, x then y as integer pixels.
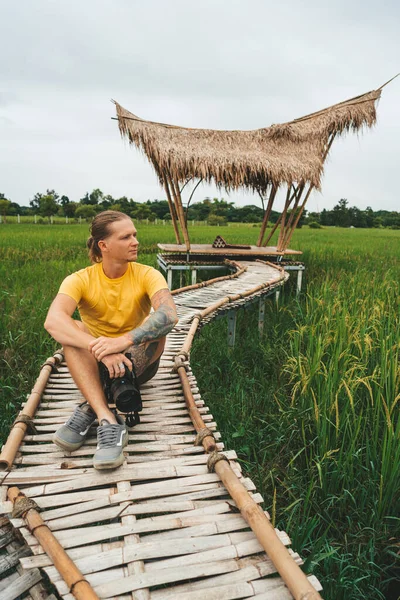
{"type": "Point", "coordinates": [122, 243]}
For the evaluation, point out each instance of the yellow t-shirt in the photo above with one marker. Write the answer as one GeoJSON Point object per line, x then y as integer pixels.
{"type": "Point", "coordinates": [112, 307]}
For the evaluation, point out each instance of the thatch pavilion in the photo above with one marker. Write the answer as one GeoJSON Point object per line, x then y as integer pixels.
{"type": "Point", "coordinates": [289, 155]}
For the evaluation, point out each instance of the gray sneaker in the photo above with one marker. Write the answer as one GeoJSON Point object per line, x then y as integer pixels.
{"type": "Point", "coordinates": [111, 438]}
{"type": "Point", "coordinates": [72, 434]}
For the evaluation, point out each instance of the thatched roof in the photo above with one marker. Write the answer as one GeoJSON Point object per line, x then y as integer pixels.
{"type": "Point", "coordinates": [292, 152]}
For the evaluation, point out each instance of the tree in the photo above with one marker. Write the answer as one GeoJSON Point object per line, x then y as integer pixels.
{"type": "Point", "coordinates": [35, 203]}
{"type": "Point", "coordinates": [4, 206]}
{"type": "Point", "coordinates": [48, 206]}
{"type": "Point", "coordinates": [203, 209]}
{"type": "Point", "coordinates": [220, 208]}
{"type": "Point", "coordinates": [142, 211]}
{"type": "Point", "coordinates": [64, 200]}
{"type": "Point", "coordinates": [70, 209]}
{"type": "Point", "coordinates": [342, 214]}
{"type": "Point", "coordinates": [158, 207]}
{"type": "Point", "coordinates": [313, 217]}
{"type": "Point", "coordinates": [216, 220]}
{"type": "Point", "coordinates": [94, 198]}
{"type": "Point", "coordinates": [86, 211]}
{"type": "Point", "coordinates": [357, 217]}
{"type": "Point", "coordinates": [369, 215]}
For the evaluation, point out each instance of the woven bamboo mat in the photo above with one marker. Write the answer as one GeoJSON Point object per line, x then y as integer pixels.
{"type": "Point", "coordinates": [159, 527]}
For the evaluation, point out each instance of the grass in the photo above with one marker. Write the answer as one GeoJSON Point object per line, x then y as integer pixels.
{"type": "Point", "coordinates": [311, 408]}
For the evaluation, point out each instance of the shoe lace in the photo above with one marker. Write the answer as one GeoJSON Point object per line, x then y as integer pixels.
{"type": "Point", "coordinates": [107, 435]}
{"type": "Point", "coordinates": [80, 419]}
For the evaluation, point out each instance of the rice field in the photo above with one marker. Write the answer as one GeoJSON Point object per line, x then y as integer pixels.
{"type": "Point", "coordinates": [311, 408]}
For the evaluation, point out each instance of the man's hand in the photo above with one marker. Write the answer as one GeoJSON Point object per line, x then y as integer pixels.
{"type": "Point", "coordinates": [103, 346]}
{"type": "Point", "coordinates": [116, 364]}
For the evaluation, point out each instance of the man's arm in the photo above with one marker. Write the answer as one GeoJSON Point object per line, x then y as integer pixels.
{"type": "Point", "coordinates": [159, 323]}
{"type": "Point", "coordinates": [62, 327]}
{"type": "Point", "coordinates": [156, 326]}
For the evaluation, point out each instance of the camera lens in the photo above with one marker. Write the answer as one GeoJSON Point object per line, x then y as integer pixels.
{"type": "Point", "coordinates": [126, 395]}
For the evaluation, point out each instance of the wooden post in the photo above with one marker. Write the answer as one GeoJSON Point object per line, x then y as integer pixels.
{"type": "Point", "coordinates": [169, 278]}
{"type": "Point", "coordinates": [232, 320]}
{"type": "Point", "coordinates": [289, 234]}
{"type": "Point", "coordinates": [172, 211]}
{"type": "Point", "coordinates": [267, 214]}
{"type": "Point", "coordinates": [261, 316]}
{"type": "Point", "coordinates": [190, 198]}
{"type": "Point", "coordinates": [179, 210]}
{"type": "Point", "coordinates": [289, 237]}
{"type": "Point", "coordinates": [277, 223]}
{"type": "Point", "coordinates": [288, 201]}
{"type": "Point", "coordinates": [288, 225]}
{"type": "Point", "coordinates": [299, 281]}
{"type": "Point", "coordinates": [275, 227]}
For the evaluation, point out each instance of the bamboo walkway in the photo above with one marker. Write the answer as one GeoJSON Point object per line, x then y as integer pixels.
{"type": "Point", "coordinates": [162, 526]}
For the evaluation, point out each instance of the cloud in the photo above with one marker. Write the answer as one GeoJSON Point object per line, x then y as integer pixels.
{"type": "Point", "coordinates": [217, 64]}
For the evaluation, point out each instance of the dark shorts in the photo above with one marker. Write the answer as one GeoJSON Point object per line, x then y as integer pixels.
{"type": "Point", "coordinates": [149, 372]}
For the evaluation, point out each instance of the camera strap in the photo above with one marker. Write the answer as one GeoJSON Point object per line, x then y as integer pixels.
{"type": "Point", "coordinates": [132, 419]}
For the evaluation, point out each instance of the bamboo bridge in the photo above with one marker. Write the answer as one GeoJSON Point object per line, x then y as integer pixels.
{"type": "Point", "coordinates": [177, 521]}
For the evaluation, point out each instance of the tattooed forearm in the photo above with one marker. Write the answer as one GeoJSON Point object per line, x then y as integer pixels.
{"type": "Point", "coordinates": [157, 325]}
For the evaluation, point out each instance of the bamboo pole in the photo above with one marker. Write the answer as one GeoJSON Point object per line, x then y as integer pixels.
{"type": "Point", "coordinates": [286, 230]}
{"type": "Point", "coordinates": [179, 208]}
{"type": "Point", "coordinates": [267, 214]}
{"type": "Point", "coordinates": [275, 227]}
{"type": "Point", "coordinates": [289, 198]}
{"type": "Point", "coordinates": [292, 575]}
{"type": "Point", "coordinates": [298, 195]}
{"type": "Point", "coordinates": [172, 211]}
{"type": "Point", "coordinates": [277, 224]}
{"type": "Point", "coordinates": [176, 202]}
{"type": "Point", "coordinates": [290, 234]}
{"type": "Point", "coordinates": [72, 576]}
{"type": "Point", "coordinates": [18, 430]}
{"type": "Point", "coordinates": [190, 198]}
{"type": "Point", "coordinates": [290, 572]}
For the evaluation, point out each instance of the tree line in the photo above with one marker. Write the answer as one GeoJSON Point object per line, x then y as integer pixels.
{"type": "Point", "coordinates": [214, 211]}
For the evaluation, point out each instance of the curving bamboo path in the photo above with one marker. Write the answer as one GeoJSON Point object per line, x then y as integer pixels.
{"type": "Point", "coordinates": [162, 526]}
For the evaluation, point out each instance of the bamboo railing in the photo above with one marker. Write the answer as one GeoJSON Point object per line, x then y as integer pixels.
{"type": "Point", "coordinates": [24, 419]}
{"type": "Point", "coordinates": [25, 507]}
{"type": "Point", "coordinates": [292, 575]}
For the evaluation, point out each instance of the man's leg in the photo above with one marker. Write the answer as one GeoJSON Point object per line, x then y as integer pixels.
{"type": "Point", "coordinates": [146, 358]}
{"type": "Point", "coordinates": [85, 372]}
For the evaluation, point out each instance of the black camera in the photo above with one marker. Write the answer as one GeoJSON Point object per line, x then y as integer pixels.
{"type": "Point", "coordinates": [124, 392]}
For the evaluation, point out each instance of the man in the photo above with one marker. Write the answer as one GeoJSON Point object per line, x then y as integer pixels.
{"type": "Point", "coordinates": [114, 297]}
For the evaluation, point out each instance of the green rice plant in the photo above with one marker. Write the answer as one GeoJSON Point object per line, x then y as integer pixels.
{"type": "Point", "coordinates": [311, 408]}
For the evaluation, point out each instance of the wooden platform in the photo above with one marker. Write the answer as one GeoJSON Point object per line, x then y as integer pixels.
{"type": "Point", "coordinates": [208, 249]}
{"type": "Point", "coordinates": [160, 527]}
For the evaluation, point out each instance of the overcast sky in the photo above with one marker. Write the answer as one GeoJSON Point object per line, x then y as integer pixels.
{"type": "Point", "coordinates": [223, 64]}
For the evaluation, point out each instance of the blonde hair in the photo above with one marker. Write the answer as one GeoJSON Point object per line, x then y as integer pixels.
{"type": "Point", "coordinates": [100, 230]}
